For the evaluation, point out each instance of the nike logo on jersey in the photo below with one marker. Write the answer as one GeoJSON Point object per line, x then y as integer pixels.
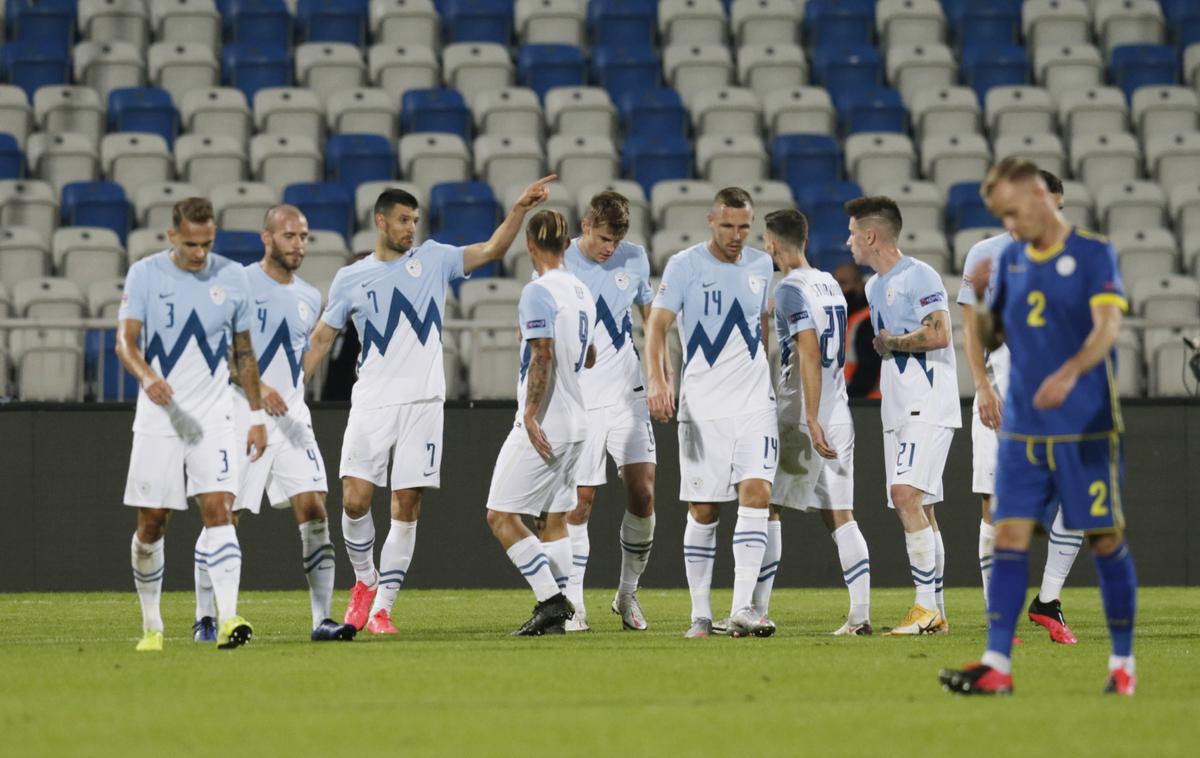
{"type": "Point", "coordinates": [164, 297]}
{"type": "Point", "coordinates": [262, 302]}
{"type": "Point", "coordinates": [709, 284]}
{"type": "Point", "coordinates": [222, 478]}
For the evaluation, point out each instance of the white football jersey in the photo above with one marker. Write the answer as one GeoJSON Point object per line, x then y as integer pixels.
{"type": "Point", "coordinates": [914, 386]}
{"type": "Point", "coordinates": [557, 306]}
{"type": "Point", "coordinates": [811, 299]}
{"type": "Point", "coordinates": [996, 361]}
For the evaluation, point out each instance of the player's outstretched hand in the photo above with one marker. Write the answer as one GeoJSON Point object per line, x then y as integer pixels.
{"type": "Point", "coordinates": [981, 276]}
{"type": "Point", "coordinates": [1054, 389]}
{"type": "Point", "coordinates": [272, 401]}
{"type": "Point", "coordinates": [661, 400]}
{"type": "Point", "coordinates": [158, 390]}
{"type": "Point", "coordinates": [256, 442]}
{"type": "Point", "coordinates": [538, 438]}
{"type": "Point", "coordinates": [535, 193]}
{"type": "Point", "coordinates": [820, 444]}
{"type": "Point", "coordinates": [880, 344]}
{"type": "Point", "coordinates": [990, 407]}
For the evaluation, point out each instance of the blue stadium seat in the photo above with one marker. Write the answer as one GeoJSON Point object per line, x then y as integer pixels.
{"type": "Point", "coordinates": [965, 209]}
{"type": "Point", "coordinates": [542, 67]}
{"type": "Point", "coordinates": [265, 23]}
{"type": "Point", "coordinates": [985, 22]}
{"type": "Point", "coordinates": [242, 247]}
{"type": "Point", "coordinates": [351, 159]}
{"type": "Point", "coordinates": [653, 112]}
{"type": "Point", "coordinates": [49, 23]}
{"type": "Point", "coordinates": [622, 22]}
{"type": "Point", "coordinates": [333, 21]}
{"type": "Point", "coordinates": [872, 110]}
{"type": "Point", "coordinates": [822, 202]}
{"type": "Point", "coordinates": [461, 237]}
{"type": "Point", "coordinates": [1134, 66]}
{"type": "Point", "coordinates": [12, 160]}
{"type": "Point", "coordinates": [828, 250]}
{"type": "Point", "coordinates": [254, 67]}
{"type": "Point", "coordinates": [800, 159]}
{"type": "Point", "coordinates": [468, 206]}
{"type": "Point", "coordinates": [435, 110]}
{"type": "Point", "coordinates": [143, 109]}
{"type": "Point", "coordinates": [649, 159]}
{"type": "Point", "coordinates": [478, 21]}
{"type": "Point", "coordinates": [1183, 22]}
{"type": "Point", "coordinates": [620, 69]}
{"type": "Point", "coordinates": [30, 65]}
{"type": "Point", "coordinates": [842, 69]}
{"type": "Point", "coordinates": [327, 205]}
{"type": "Point", "coordinates": [100, 355]}
{"type": "Point", "coordinates": [988, 66]}
{"type": "Point", "coordinates": [833, 23]}
{"type": "Point", "coordinates": [96, 204]}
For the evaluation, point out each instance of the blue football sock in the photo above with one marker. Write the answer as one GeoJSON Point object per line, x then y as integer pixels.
{"type": "Point", "coordinates": [1118, 588]}
{"type": "Point", "coordinates": [1006, 597]}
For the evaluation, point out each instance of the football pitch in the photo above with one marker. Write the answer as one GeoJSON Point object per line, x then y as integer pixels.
{"type": "Point", "coordinates": [454, 683]}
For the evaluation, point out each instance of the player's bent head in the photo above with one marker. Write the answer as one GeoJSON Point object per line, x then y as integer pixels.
{"type": "Point", "coordinates": [1054, 186]}
{"type": "Point", "coordinates": [548, 233]}
{"type": "Point", "coordinates": [729, 219]}
{"type": "Point", "coordinates": [788, 228]}
{"type": "Point", "coordinates": [607, 213]}
{"type": "Point", "coordinates": [1017, 171]}
{"type": "Point", "coordinates": [1018, 195]}
{"type": "Point", "coordinates": [877, 212]}
{"type": "Point", "coordinates": [193, 231]}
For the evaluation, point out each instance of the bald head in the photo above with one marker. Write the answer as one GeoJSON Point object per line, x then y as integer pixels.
{"type": "Point", "coordinates": [284, 236]}
{"type": "Point", "coordinates": [276, 215]}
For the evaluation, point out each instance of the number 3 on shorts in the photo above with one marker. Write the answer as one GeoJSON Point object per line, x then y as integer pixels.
{"type": "Point", "coordinates": [1099, 492]}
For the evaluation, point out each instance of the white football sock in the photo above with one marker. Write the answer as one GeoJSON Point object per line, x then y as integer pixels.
{"type": "Point", "coordinates": [856, 570]}
{"type": "Point", "coordinates": [529, 558]}
{"type": "Point", "coordinates": [699, 553]}
{"type": "Point", "coordinates": [316, 552]}
{"type": "Point", "coordinates": [581, 547]}
{"type": "Point", "coordinates": [987, 542]}
{"type": "Point", "coordinates": [148, 564]}
{"type": "Point", "coordinates": [559, 553]}
{"type": "Point", "coordinates": [749, 544]}
{"type": "Point", "coordinates": [998, 661]}
{"type": "Point", "coordinates": [1122, 662]}
{"type": "Point", "coordinates": [205, 602]}
{"type": "Point", "coordinates": [939, 556]}
{"type": "Point", "coordinates": [1060, 557]}
{"type": "Point", "coordinates": [359, 536]}
{"type": "Point", "coordinates": [224, 568]}
{"type": "Point", "coordinates": [922, 562]}
{"type": "Point", "coordinates": [394, 560]}
{"type": "Point", "coordinates": [761, 598]}
{"type": "Point", "coordinates": [637, 538]}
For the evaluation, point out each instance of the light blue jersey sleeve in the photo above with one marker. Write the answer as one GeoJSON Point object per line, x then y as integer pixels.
{"type": "Point", "coordinates": [452, 258]}
{"type": "Point", "coordinates": [242, 320]}
{"type": "Point", "coordinates": [966, 293]}
{"type": "Point", "coordinates": [338, 308]}
{"type": "Point", "coordinates": [673, 288]}
{"type": "Point", "coordinates": [645, 295]}
{"type": "Point", "coordinates": [928, 292]}
{"type": "Point", "coordinates": [997, 287]}
{"type": "Point", "coordinates": [536, 311]}
{"type": "Point", "coordinates": [791, 308]}
{"type": "Point", "coordinates": [133, 296]}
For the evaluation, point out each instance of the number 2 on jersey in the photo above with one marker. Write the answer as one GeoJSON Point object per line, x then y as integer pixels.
{"type": "Point", "coordinates": [835, 316]}
{"type": "Point", "coordinates": [1037, 306]}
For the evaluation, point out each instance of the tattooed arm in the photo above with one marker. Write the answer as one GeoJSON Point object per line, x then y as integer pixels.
{"type": "Point", "coordinates": [247, 370]}
{"type": "Point", "coordinates": [537, 384]}
{"type": "Point", "coordinates": [272, 401]}
{"type": "Point", "coordinates": [934, 334]}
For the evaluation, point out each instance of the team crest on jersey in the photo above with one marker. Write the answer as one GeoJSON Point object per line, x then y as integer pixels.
{"type": "Point", "coordinates": [216, 293]}
{"type": "Point", "coordinates": [756, 284]}
{"type": "Point", "coordinates": [413, 267]}
{"type": "Point", "coordinates": [622, 279]}
{"type": "Point", "coordinates": [1065, 265]}
{"type": "Point", "coordinates": [304, 310]}
{"type": "Point", "coordinates": [890, 295]}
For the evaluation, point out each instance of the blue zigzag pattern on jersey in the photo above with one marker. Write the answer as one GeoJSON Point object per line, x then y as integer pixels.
{"type": "Point", "coordinates": [902, 358]}
{"type": "Point", "coordinates": [282, 340]}
{"type": "Point", "coordinates": [526, 356]}
{"type": "Point", "coordinates": [735, 319]}
{"type": "Point", "coordinates": [605, 318]}
{"type": "Point", "coordinates": [193, 328]}
{"type": "Point", "coordinates": [400, 307]}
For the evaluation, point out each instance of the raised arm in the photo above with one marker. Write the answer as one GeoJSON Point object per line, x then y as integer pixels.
{"type": "Point", "coordinates": [537, 382]}
{"type": "Point", "coordinates": [129, 332]}
{"type": "Point", "coordinates": [319, 343]}
{"type": "Point", "coordinates": [483, 253]}
{"type": "Point", "coordinates": [660, 393]}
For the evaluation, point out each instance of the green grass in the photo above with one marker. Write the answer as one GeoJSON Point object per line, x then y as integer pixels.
{"type": "Point", "coordinates": [453, 683]}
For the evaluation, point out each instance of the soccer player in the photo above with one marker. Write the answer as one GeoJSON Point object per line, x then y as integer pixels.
{"type": "Point", "coordinates": [728, 433]}
{"type": "Point", "coordinates": [816, 432]}
{"type": "Point", "coordinates": [184, 305]}
{"type": "Point", "coordinates": [617, 273]}
{"type": "Point", "coordinates": [1056, 299]}
{"type": "Point", "coordinates": [396, 298]}
{"type": "Point", "coordinates": [535, 471]}
{"type": "Point", "coordinates": [291, 470]}
{"type": "Point", "coordinates": [919, 388]}
{"type": "Point", "coordinates": [990, 375]}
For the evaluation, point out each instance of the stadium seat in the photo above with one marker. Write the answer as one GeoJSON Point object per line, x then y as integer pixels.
{"type": "Point", "coordinates": [398, 68]}
{"type": "Point", "coordinates": [289, 112]}
{"type": "Point", "coordinates": [875, 158]}
{"type": "Point", "coordinates": [648, 159]}
{"type": "Point", "coordinates": [768, 195]}
{"type": "Point", "coordinates": [494, 362]}
{"type": "Point", "coordinates": [653, 112]}
{"type": "Point", "coordinates": [560, 198]}
{"type": "Point", "coordinates": [87, 254]}
{"type": "Point", "coordinates": [134, 158]}
{"type": "Point", "coordinates": [1145, 252]}
{"type": "Point", "coordinates": [620, 69]}
{"type": "Point", "coordinates": [879, 109]}
{"type": "Point", "coordinates": [951, 159]}
{"type": "Point", "coordinates": [62, 158]}
{"type": "Point", "coordinates": [103, 373]}
{"type": "Point", "coordinates": [475, 67]}
{"type": "Point", "coordinates": [512, 111]}
{"type": "Point", "coordinates": [631, 22]}
{"type": "Point", "coordinates": [799, 159]}
{"type": "Point", "coordinates": [549, 22]}
{"type": "Point", "coordinates": [76, 109]}
{"type": "Point", "coordinates": [1046, 150]}
{"type": "Point", "coordinates": [764, 22]}
{"type": "Point", "coordinates": [947, 110]}
{"type": "Point", "coordinates": [1095, 110]}
{"type": "Point", "coordinates": [927, 245]}
{"type": "Point", "coordinates": [691, 22]}
{"type": "Point", "coordinates": [327, 245]}
{"type": "Point", "coordinates": [1160, 111]}
{"type": "Point", "coordinates": [328, 206]}
{"type": "Point", "coordinates": [23, 255]}
{"type": "Point", "coordinates": [1100, 159]}
{"type": "Point", "coordinates": [1130, 366]}
{"type": "Point", "coordinates": [1129, 22]}
{"type": "Point", "coordinates": [48, 297]}
{"type": "Point", "coordinates": [823, 203]}
{"type": "Point", "coordinates": [432, 158]}
{"type": "Point", "coordinates": [124, 20]}
{"type": "Point", "coordinates": [259, 24]}
{"type": "Point", "coordinates": [343, 21]}
{"type": "Point", "coordinates": [1173, 159]}
{"type": "Point", "coordinates": [186, 21]}
{"type": "Point", "coordinates": [917, 68]}
{"type": "Point", "coordinates": [108, 66]}
{"type": "Point", "coordinates": [504, 161]}
{"type": "Point", "coordinates": [1168, 370]}
{"type": "Point", "coordinates": [1056, 22]}
{"type": "Point", "coordinates": [104, 297]}
{"type": "Point", "coordinates": [251, 68]}
{"type": "Point", "coordinates": [102, 204]}
{"type": "Point", "coordinates": [405, 22]}
{"type": "Point", "coordinates": [435, 110]}
{"type": "Point", "coordinates": [921, 203]}
{"type": "Point", "coordinates": [768, 68]}
{"type": "Point", "coordinates": [361, 111]}
{"type": "Point", "coordinates": [964, 240]}
{"type": "Point", "coordinates": [984, 23]}
{"type": "Point", "coordinates": [146, 242]}
{"type": "Point", "coordinates": [209, 161]}
{"type": "Point", "coordinates": [543, 67]}
{"type": "Point", "coordinates": [30, 65]}
{"type": "Point", "coordinates": [216, 112]}
{"type": "Point", "coordinates": [990, 66]}
{"type": "Point", "coordinates": [965, 209]}
{"type": "Point", "coordinates": [364, 204]}
{"type": "Point", "coordinates": [181, 67]}
{"type": "Point", "coordinates": [678, 204]}
{"type": "Point", "coordinates": [587, 111]}
{"type": "Point", "coordinates": [12, 158]}
{"type": "Point", "coordinates": [692, 68]}
{"type": "Point", "coordinates": [726, 110]}
{"type": "Point", "coordinates": [838, 23]}
{"type": "Point", "coordinates": [329, 67]}
{"type": "Point", "coordinates": [242, 205]}
{"type": "Point", "coordinates": [1184, 203]}
{"type": "Point", "coordinates": [1165, 298]}
{"type": "Point", "coordinates": [1019, 110]}
{"type": "Point", "coordinates": [48, 23]}
{"type": "Point", "coordinates": [465, 205]}
{"type": "Point", "coordinates": [153, 203]}
{"type": "Point", "coordinates": [279, 161]}
{"type": "Point", "coordinates": [16, 117]}
{"type": "Point", "coordinates": [828, 251]}
{"type": "Point", "coordinates": [800, 110]}
{"type": "Point", "coordinates": [1133, 66]}
{"type": "Point", "coordinates": [351, 159]}
{"type": "Point", "coordinates": [846, 68]}
{"type": "Point", "coordinates": [669, 241]}
{"type": "Point", "coordinates": [639, 206]}
{"type": "Point", "coordinates": [1062, 68]}
{"type": "Point", "coordinates": [731, 160]}
{"type": "Point", "coordinates": [29, 203]}
{"type": "Point", "coordinates": [1078, 207]}
{"type": "Point", "coordinates": [1131, 205]}
{"type": "Point", "coordinates": [243, 247]}
{"type": "Point", "coordinates": [143, 109]}
{"type": "Point", "coordinates": [478, 21]}
{"type": "Point", "coordinates": [909, 22]}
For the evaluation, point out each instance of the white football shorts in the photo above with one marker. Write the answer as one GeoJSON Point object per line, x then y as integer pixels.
{"type": "Point", "coordinates": [624, 432]}
{"type": "Point", "coordinates": [524, 482]}
{"type": "Point", "coordinates": [165, 471]}
{"type": "Point", "coordinates": [915, 454]}
{"type": "Point", "coordinates": [291, 464]}
{"type": "Point", "coordinates": [412, 430]}
{"type": "Point", "coordinates": [806, 481]}
{"type": "Point", "coordinates": [984, 449]}
{"type": "Point", "coordinates": [715, 455]}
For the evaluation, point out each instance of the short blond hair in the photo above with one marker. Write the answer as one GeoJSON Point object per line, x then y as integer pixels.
{"type": "Point", "coordinates": [1010, 170]}
{"type": "Point", "coordinates": [548, 232]}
